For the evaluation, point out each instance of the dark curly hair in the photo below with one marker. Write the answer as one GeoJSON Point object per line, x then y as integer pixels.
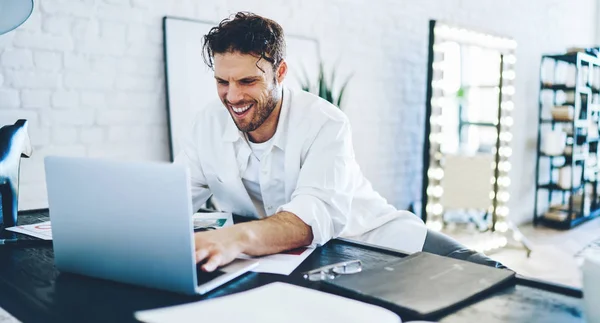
{"type": "Point", "coordinates": [246, 33]}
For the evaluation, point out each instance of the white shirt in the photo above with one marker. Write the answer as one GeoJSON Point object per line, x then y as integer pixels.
{"type": "Point", "coordinates": [309, 170]}
{"type": "Point", "coordinates": [251, 176]}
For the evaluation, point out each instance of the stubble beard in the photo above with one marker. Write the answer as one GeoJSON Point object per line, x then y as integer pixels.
{"type": "Point", "coordinates": [261, 113]}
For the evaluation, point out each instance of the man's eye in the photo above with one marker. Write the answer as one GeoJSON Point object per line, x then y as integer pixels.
{"type": "Point", "coordinates": [222, 82]}
{"type": "Point", "coordinates": [247, 82]}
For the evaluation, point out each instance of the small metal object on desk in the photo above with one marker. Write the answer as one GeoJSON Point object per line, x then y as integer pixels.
{"type": "Point", "coordinates": [334, 270]}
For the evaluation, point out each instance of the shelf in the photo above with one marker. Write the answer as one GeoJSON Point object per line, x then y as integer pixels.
{"type": "Point", "coordinates": [566, 224]}
{"type": "Point", "coordinates": [569, 58]}
{"type": "Point", "coordinates": [562, 87]}
{"type": "Point", "coordinates": [554, 187]}
{"type": "Point", "coordinates": [581, 136]}
{"type": "Point", "coordinates": [557, 87]}
{"type": "Point", "coordinates": [556, 121]}
{"type": "Point", "coordinates": [578, 157]}
{"type": "Point", "coordinates": [572, 58]}
{"type": "Point", "coordinates": [578, 123]}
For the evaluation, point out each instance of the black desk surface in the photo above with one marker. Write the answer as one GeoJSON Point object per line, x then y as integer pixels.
{"type": "Point", "coordinates": [34, 291]}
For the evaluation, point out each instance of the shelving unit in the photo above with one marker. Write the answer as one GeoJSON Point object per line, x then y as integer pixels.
{"type": "Point", "coordinates": [567, 182]}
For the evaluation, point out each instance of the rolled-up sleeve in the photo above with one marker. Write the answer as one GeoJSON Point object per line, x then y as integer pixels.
{"type": "Point", "coordinates": [324, 191]}
{"type": "Point", "coordinates": [188, 157]}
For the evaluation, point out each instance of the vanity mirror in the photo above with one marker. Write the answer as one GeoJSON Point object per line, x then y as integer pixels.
{"type": "Point", "coordinates": [466, 156]}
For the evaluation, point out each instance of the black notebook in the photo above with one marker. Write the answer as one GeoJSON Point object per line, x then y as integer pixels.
{"type": "Point", "coordinates": [422, 285]}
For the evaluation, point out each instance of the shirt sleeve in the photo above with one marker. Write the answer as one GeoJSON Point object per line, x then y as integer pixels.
{"type": "Point", "coordinates": [188, 157]}
{"type": "Point", "coordinates": [324, 192]}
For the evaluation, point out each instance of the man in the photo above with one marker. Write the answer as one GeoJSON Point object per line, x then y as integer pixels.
{"type": "Point", "coordinates": [280, 156]}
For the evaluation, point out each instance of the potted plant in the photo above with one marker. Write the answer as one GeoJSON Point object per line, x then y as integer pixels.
{"type": "Point", "coordinates": [325, 87]}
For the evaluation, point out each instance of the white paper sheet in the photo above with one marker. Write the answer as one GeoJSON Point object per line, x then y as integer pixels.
{"type": "Point", "coordinates": [5, 317]}
{"type": "Point", "coordinates": [40, 230]}
{"type": "Point", "coordinates": [281, 263]}
{"type": "Point", "coordinates": [43, 230]}
{"type": "Point", "coordinates": [273, 303]}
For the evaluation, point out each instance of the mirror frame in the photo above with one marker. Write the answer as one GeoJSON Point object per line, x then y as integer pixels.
{"type": "Point", "coordinates": [431, 209]}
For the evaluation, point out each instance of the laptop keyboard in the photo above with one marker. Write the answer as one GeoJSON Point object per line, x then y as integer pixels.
{"type": "Point", "coordinates": [205, 277]}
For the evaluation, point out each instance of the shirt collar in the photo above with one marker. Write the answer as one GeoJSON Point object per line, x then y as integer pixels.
{"type": "Point", "coordinates": [232, 134]}
{"type": "Point", "coordinates": [280, 132]}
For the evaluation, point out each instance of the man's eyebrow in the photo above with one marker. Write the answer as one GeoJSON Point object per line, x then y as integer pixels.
{"type": "Point", "coordinates": [219, 79]}
{"type": "Point", "coordinates": [250, 78]}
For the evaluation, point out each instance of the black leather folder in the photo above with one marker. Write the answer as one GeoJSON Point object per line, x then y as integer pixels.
{"type": "Point", "coordinates": [422, 285]}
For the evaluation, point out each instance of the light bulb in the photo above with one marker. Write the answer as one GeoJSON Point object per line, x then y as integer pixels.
{"type": "Point", "coordinates": [503, 196]}
{"type": "Point", "coordinates": [506, 136]}
{"type": "Point", "coordinates": [501, 226]}
{"type": "Point", "coordinates": [502, 211]}
{"type": "Point", "coordinates": [509, 90]}
{"type": "Point", "coordinates": [507, 105]}
{"type": "Point", "coordinates": [434, 225]}
{"type": "Point", "coordinates": [508, 74]}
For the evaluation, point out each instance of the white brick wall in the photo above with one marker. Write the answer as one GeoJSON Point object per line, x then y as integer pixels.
{"type": "Point", "coordinates": [17, 58]}
{"type": "Point", "coordinates": [47, 60]}
{"type": "Point", "coordinates": [9, 99]}
{"type": "Point", "coordinates": [88, 73]}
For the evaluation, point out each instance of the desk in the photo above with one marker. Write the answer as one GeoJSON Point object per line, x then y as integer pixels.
{"type": "Point", "coordinates": [34, 291]}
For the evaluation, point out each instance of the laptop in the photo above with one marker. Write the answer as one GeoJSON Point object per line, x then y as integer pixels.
{"type": "Point", "coordinates": [129, 222]}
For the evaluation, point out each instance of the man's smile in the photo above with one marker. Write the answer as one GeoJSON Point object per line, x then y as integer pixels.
{"type": "Point", "coordinates": [240, 110]}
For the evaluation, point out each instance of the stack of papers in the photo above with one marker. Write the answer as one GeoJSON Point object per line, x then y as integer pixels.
{"type": "Point", "coordinates": [43, 230]}
{"type": "Point", "coordinates": [273, 303]}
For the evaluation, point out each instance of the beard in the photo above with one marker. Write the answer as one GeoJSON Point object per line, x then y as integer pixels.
{"type": "Point", "coordinates": [261, 112]}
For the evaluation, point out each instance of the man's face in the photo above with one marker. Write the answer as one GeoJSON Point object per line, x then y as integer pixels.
{"type": "Point", "coordinates": [249, 94]}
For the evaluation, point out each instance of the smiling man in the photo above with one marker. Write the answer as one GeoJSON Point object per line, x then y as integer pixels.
{"type": "Point", "coordinates": [280, 156]}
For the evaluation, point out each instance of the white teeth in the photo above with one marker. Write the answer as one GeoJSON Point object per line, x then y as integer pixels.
{"type": "Point", "coordinates": [241, 109]}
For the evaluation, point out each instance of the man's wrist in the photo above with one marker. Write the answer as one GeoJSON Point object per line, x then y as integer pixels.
{"type": "Point", "coordinates": [244, 237]}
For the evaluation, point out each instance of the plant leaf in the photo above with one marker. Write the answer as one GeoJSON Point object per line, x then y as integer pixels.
{"type": "Point", "coordinates": [342, 89]}
{"type": "Point", "coordinates": [322, 83]}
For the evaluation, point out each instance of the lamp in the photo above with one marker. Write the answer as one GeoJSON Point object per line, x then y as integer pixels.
{"type": "Point", "coordinates": [13, 13]}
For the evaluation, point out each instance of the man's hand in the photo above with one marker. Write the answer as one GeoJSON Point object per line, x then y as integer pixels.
{"type": "Point", "coordinates": [279, 232]}
{"type": "Point", "coordinates": [218, 247]}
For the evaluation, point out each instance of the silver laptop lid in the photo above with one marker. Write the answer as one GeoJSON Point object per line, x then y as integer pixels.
{"type": "Point", "coordinates": [123, 221]}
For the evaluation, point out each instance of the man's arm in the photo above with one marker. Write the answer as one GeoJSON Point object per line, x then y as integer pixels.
{"type": "Point", "coordinates": [279, 232]}
{"type": "Point", "coordinates": [319, 207]}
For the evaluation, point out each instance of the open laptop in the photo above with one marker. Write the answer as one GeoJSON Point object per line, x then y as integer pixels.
{"type": "Point", "coordinates": [129, 222]}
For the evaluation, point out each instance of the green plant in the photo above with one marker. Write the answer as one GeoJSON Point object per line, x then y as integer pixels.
{"type": "Point", "coordinates": [325, 87]}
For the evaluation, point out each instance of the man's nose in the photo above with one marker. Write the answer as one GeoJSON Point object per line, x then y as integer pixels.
{"type": "Point", "coordinates": [234, 94]}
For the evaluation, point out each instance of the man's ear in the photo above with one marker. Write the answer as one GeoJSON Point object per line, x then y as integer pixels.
{"type": "Point", "coordinates": [281, 71]}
